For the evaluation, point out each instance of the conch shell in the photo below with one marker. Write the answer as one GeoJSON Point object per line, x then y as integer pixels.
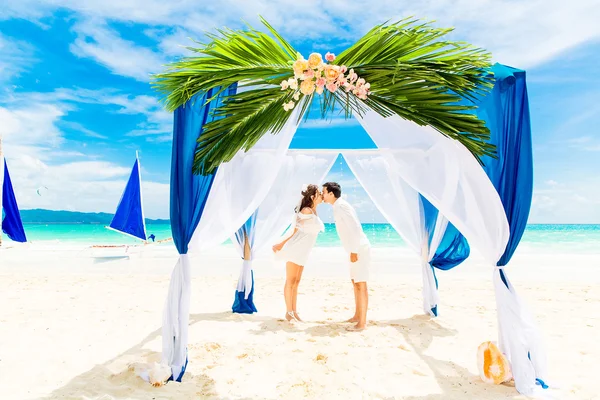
{"type": "Point", "coordinates": [493, 365]}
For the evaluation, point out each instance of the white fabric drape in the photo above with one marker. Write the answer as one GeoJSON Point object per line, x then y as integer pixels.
{"type": "Point", "coordinates": [176, 316]}
{"type": "Point", "coordinates": [447, 175]}
{"type": "Point", "coordinates": [277, 209]}
{"type": "Point", "coordinates": [393, 197]}
{"type": "Point", "coordinates": [239, 187]}
{"type": "Point", "coordinates": [400, 204]}
{"type": "Point", "coordinates": [431, 297]}
{"type": "Point", "coordinates": [518, 337]}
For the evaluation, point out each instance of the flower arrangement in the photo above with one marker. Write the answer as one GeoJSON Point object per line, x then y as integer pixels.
{"type": "Point", "coordinates": [315, 76]}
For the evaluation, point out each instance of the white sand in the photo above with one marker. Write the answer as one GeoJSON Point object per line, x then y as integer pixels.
{"type": "Point", "coordinates": [70, 327]}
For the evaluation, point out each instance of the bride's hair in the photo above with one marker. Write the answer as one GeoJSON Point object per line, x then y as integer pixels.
{"type": "Point", "coordinates": [307, 197]}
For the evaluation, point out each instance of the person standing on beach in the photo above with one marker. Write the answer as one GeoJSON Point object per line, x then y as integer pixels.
{"type": "Point", "coordinates": [357, 245]}
{"type": "Point", "coordinates": [294, 250]}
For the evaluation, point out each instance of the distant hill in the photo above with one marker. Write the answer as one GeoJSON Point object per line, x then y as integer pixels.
{"type": "Point", "coordinates": [39, 216]}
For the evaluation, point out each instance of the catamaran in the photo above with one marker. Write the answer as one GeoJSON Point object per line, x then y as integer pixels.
{"type": "Point", "coordinates": [129, 218]}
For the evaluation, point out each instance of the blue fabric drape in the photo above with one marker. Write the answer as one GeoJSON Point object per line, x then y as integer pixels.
{"type": "Point", "coordinates": [452, 250]}
{"type": "Point", "coordinates": [506, 113]}
{"type": "Point", "coordinates": [129, 217]}
{"type": "Point", "coordinates": [241, 304]}
{"type": "Point", "coordinates": [11, 223]}
{"type": "Point", "coordinates": [189, 192]}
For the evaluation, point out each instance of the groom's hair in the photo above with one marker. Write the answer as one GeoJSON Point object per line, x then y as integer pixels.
{"type": "Point", "coordinates": [333, 187]}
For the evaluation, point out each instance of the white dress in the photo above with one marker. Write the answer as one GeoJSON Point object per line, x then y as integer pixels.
{"type": "Point", "coordinates": [298, 247]}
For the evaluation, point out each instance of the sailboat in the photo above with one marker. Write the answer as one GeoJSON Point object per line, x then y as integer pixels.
{"type": "Point", "coordinates": [12, 225]}
{"type": "Point", "coordinates": [129, 218]}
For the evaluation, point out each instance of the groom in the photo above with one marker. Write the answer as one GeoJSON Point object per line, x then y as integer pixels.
{"type": "Point", "coordinates": [355, 243]}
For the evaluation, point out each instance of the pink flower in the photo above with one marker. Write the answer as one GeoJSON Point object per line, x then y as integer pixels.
{"type": "Point", "coordinates": [343, 69]}
{"type": "Point", "coordinates": [319, 90]}
{"type": "Point", "coordinates": [330, 57]}
{"type": "Point", "coordinates": [321, 82]}
{"type": "Point", "coordinates": [349, 87]}
{"type": "Point", "coordinates": [309, 74]}
{"type": "Point", "coordinates": [360, 82]}
{"type": "Point", "coordinates": [352, 76]}
{"type": "Point", "coordinates": [332, 87]}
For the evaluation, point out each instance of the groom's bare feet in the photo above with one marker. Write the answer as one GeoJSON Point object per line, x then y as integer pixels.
{"type": "Point", "coordinates": [357, 328]}
{"type": "Point", "coordinates": [352, 320]}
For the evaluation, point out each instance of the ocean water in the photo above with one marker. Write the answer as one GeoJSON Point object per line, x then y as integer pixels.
{"type": "Point", "coordinates": [537, 238]}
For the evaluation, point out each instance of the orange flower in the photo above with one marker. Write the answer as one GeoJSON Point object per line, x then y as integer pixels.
{"type": "Point", "coordinates": [307, 87]}
{"type": "Point", "coordinates": [314, 60]}
{"type": "Point", "coordinates": [331, 72]}
{"type": "Point", "coordinates": [300, 66]}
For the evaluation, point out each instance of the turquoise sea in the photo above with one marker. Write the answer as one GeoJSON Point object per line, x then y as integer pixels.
{"type": "Point", "coordinates": [554, 238]}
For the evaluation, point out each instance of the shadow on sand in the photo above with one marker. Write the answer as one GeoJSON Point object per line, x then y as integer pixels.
{"type": "Point", "coordinates": [115, 378]}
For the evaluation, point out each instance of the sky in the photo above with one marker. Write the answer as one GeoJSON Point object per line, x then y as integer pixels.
{"type": "Point", "coordinates": [76, 103]}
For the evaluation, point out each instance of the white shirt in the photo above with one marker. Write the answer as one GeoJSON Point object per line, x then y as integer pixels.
{"type": "Point", "coordinates": [348, 227]}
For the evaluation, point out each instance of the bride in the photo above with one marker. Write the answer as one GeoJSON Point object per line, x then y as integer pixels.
{"type": "Point", "coordinates": [295, 249]}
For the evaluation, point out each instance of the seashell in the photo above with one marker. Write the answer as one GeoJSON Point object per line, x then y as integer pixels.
{"type": "Point", "coordinates": [159, 374]}
{"type": "Point", "coordinates": [493, 366]}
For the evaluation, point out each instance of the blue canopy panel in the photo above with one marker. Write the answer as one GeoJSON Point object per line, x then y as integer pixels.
{"type": "Point", "coordinates": [453, 248]}
{"type": "Point", "coordinates": [505, 111]}
{"type": "Point", "coordinates": [11, 221]}
{"type": "Point", "coordinates": [129, 217]}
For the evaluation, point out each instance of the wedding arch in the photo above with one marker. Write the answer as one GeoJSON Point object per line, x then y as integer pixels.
{"type": "Point", "coordinates": [453, 154]}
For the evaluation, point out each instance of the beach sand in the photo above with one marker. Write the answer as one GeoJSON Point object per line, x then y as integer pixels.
{"type": "Point", "coordinates": [70, 328]}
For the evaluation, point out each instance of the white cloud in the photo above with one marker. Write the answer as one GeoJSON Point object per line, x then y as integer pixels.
{"type": "Point", "coordinates": [37, 154]}
{"type": "Point", "coordinates": [524, 33]}
{"type": "Point", "coordinates": [16, 57]}
{"type": "Point", "coordinates": [95, 40]}
{"type": "Point", "coordinates": [156, 120]}
{"type": "Point", "coordinates": [86, 186]}
{"type": "Point", "coordinates": [567, 203]}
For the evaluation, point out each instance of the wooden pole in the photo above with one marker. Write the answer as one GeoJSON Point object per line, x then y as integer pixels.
{"type": "Point", "coordinates": [247, 250]}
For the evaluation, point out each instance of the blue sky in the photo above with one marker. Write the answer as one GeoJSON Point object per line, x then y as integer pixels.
{"type": "Point", "coordinates": [76, 104]}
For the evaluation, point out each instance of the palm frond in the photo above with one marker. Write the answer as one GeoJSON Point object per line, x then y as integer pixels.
{"type": "Point", "coordinates": [230, 56]}
{"type": "Point", "coordinates": [412, 71]}
{"type": "Point", "coordinates": [422, 78]}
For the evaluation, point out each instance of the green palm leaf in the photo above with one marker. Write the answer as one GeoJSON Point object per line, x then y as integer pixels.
{"type": "Point", "coordinates": [423, 79]}
{"type": "Point", "coordinates": [411, 71]}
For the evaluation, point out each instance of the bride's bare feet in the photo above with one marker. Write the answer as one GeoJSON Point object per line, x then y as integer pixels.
{"type": "Point", "coordinates": [290, 317]}
{"type": "Point", "coordinates": [297, 316]}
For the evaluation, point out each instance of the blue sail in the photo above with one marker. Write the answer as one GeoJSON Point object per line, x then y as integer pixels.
{"type": "Point", "coordinates": [11, 223]}
{"type": "Point", "coordinates": [129, 217]}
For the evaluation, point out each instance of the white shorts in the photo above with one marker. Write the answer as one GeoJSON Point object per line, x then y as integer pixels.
{"type": "Point", "coordinates": [359, 270]}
